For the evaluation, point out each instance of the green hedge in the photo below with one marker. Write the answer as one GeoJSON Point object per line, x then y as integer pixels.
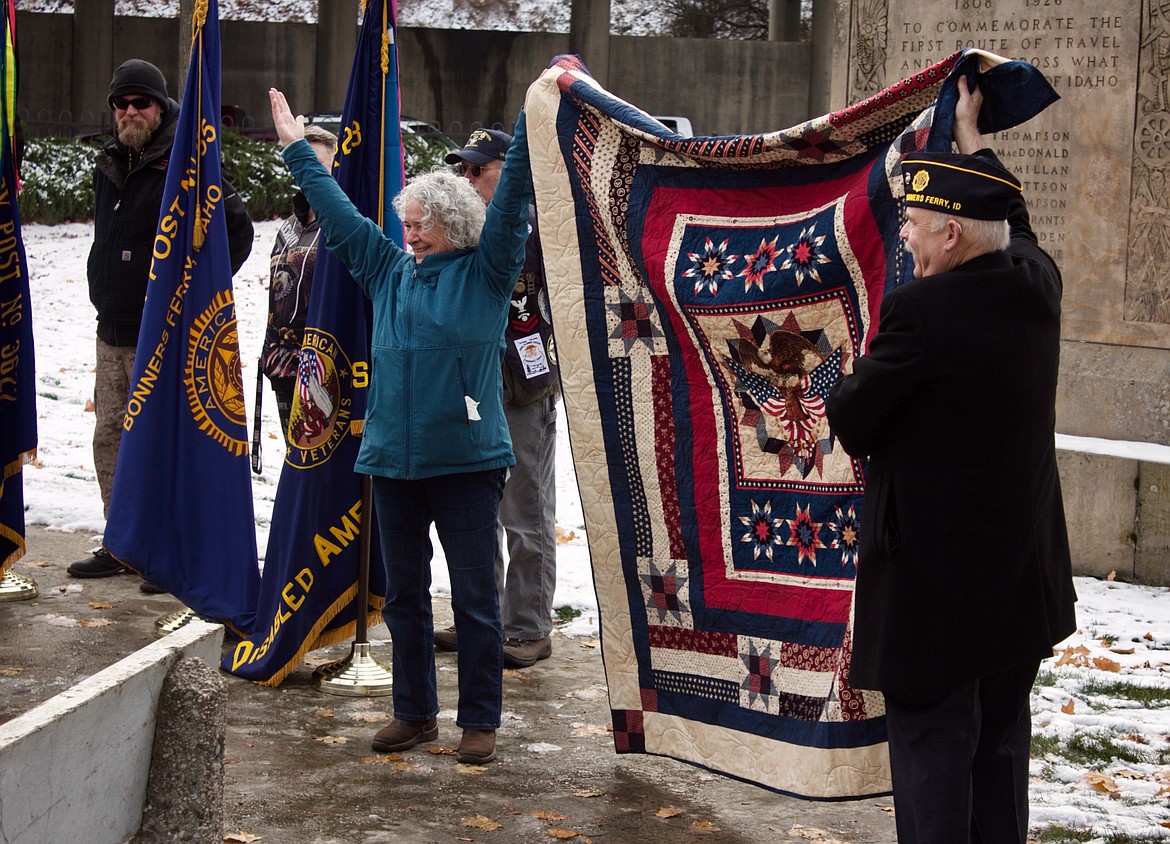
{"type": "Point", "coordinates": [57, 174]}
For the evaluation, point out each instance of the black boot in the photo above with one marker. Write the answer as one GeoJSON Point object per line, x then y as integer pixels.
{"type": "Point", "coordinates": [101, 564]}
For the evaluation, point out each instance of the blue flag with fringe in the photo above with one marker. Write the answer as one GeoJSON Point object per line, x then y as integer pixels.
{"type": "Point", "coordinates": [309, 589]}
{"type": "Point", "coordinates": [18, 409]}
{"type": "Point", "coordinates": [181, 510]}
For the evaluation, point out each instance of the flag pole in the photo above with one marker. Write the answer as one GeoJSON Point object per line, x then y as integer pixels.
{"type": "Point", "coordinates": [360, 675]}
{"type": "Point", "coordinates": [166, 624]}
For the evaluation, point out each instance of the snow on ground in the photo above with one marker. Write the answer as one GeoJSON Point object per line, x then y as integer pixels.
{"type": "Point", "coordinates": [1086, 697]}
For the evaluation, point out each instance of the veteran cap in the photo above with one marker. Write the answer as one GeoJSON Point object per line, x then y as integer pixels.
{"type": "Point", "coordinates": [963, 185]}
{"type": "Point", "coordinates": [483, 146]}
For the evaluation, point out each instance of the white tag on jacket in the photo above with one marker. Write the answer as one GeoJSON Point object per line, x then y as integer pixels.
{"type": "Point", "coordinates": [532, 355]}
{"type": "Point", "coordinates": [472, 408]}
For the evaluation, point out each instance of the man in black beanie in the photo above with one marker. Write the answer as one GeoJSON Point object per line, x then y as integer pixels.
{"type": "Point", "coordinates": [130, 172]}
{"type": "Point", "coordinates": [964, 580]}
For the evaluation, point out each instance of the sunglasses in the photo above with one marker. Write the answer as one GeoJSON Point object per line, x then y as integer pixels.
{"type": "Point", "coordinates": [139, 103]}
{"type": "Point", "coordinates": [476, 170]}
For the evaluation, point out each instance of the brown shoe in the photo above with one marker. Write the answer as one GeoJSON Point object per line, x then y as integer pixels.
{"type": "Point", "coordinates": [403, 735]}
{"type": "Point", "coordinates": [478, 747]}
{"type": "Point", "coordinates": [446, 640]}
{"type": "Point", "coordinates": [521, 653]}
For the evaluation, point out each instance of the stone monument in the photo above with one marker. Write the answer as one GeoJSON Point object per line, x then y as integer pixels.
{"type": "Point", "coordinates": [1095, 169]}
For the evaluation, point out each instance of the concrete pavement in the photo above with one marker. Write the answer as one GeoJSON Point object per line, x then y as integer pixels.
{"type": "Point", "coordinates": [299, 766]}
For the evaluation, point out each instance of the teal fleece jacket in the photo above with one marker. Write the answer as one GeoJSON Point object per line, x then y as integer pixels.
{"type": "Point", "coordinates": [438, 327]}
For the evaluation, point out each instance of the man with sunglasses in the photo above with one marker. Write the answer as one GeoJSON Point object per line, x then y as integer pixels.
{"type": "Point", "coordinates": [531, 390]}
{"type": "Point", "coordinates": [130, 172]}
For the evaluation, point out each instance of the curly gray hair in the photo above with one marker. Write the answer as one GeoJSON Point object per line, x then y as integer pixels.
{"type": "Point", "coordinates": [447, 200]}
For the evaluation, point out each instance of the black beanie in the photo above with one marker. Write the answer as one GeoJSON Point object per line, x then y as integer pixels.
{"type": "Point", "coordinates": [139, 77]}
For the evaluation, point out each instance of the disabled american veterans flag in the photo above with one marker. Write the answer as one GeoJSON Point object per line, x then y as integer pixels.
{"type": "Point", "coordinates": [309, 587]}
{"type": "Point", "coordinates": [181, 510]}
{"type": "Point", "coordinates": [18, 410]}
{"type": "Point", "coordinates": [707, 294]}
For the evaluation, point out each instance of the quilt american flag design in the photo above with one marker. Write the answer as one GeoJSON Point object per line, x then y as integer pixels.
{"type": "Point", "coordinates": [706, 295]}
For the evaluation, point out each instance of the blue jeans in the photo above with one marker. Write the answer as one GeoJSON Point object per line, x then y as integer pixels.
{"type": "Point", "coordinates": [465, 509]}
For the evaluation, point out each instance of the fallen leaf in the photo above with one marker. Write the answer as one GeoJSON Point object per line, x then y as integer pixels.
{"type": "Point", "coordinates": [324, 713]}
{"type": "Point", "coordinates": [241, 838]}
{"type": "Point", "coordinates": [564, 536]}
{"type": "Point", "coordinates": [98, 605]}
{"type": "Point", "coordinates": [271, 435]}
{"type": "Point", "coordinates": [368, 717]}
{"type": "Point", "coordinates": [704, 826]}
{"type": "Point", "coordinates": [95, 622]}
{"type": "Point", "coordinates": [1112, 576]}
{"type": "Point", "coordinates": [556, 832]}
{"type": "Point", "coordinates": [470, 770]}
{"type": "Point", "coordinates": [406, 767]}
{"type": "Point", "coordinates": [331, 739]}
{"type": "Point", "coordinates": [11, 672]}
{"type": "Point", "coordinates": [480, 822]}
{"type": "Point", "coordinates": [1106, 664]}
{"type": "Point", "coordinates": [1149, 637]}
{"type": "Point", "coordinates": [89, 405]}
{"type": "Point", "coordinates": [592, 730]}
{"type": "Point", "coordinates": [1078, 655]}
{"type": "Point", "coordinates": [810, 833]}
{"type": "Point", "coordinates": [1070, 707]}
{"type": "Point", "coordinates": [668, 812]}
{"type": "Point", "coordinates": [382, 760]}
{"type": "Point", "coordinates": [588, 794]}
{"type": "Point", "coordinates": [440, 750]}
{"type": "Point", "coordinates": [1122, 650]}
{"type": "Point", "coordinates": [548, 817]}
{"type": "Point", "coordinates": [888, 808]}
{"type": "Point", "coordinates": [1101, 782]}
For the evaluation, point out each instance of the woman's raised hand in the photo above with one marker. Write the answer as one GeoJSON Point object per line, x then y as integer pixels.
{"type": "Point", "coordinates": [289, 127]}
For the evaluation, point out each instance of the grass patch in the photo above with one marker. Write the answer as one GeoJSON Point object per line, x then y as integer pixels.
{"type": "Point", "coordinates": [565, 614]}
{"type": "Point", "coordinates": [1044, 678]}
{"type": "Point", "coordinates": [1089, 751]}
{"type": "Point", "coordinates": [1145, 695]}
{"type": "Point", "coordinates": [1058, 834]}
{"type": "Point", "coordinates": [1097, 752]}
{"type": "Point", "coordinates": [1043, 745]}
{"type": "Point", "coordinates": [1062, 835]}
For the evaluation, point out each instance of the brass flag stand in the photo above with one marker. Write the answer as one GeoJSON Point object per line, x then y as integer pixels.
{"type": "Point", "coordinates": [173, 621]}
{"type": "Point", "coordinates": [359, 674]}
{"type": "Point", "coordinates": [17, 587]}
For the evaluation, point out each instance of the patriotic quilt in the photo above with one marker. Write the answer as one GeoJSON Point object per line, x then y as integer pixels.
{"type": "Point", "coordinates": [706, 294]}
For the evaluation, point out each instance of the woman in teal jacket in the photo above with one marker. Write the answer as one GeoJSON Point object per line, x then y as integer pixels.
{"type": "Point", "coordinates": [435, 439]}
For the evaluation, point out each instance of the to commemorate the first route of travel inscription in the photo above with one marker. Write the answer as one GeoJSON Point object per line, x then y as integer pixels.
{"type": "Point", "coordinates": [1095, 166]}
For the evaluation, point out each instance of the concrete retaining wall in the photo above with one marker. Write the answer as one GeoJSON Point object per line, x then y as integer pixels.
{"type": "Point", "coordinates": [456, 78]}
{"type": "Point", "coordinates": [75, 768]}
{"type": "Point", "coordinates": [1117, 503]}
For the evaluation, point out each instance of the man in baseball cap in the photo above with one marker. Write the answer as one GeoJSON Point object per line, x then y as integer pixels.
{"type": "Point", "coordinates": [481, 160]}
{"type": "Point", "coordinates": [531, 392]}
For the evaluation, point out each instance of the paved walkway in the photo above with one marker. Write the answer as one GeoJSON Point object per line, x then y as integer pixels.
{"type": "Point", "coordinates": [299, 768]}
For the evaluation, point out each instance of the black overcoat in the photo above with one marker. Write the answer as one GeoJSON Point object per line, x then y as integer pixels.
{"type": "Point", "coordinates": [964, 563]}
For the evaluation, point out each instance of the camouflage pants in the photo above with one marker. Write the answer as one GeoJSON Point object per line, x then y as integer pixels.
{"type": "Point", "coordinates": [111, 388]}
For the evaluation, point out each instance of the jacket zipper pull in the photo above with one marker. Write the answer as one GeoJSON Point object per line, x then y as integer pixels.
{"type": "Point", "coordinates": [117, 204]}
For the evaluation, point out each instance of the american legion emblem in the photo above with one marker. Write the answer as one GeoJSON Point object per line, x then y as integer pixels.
{"type": "Point", "coordinates": [214, 377]}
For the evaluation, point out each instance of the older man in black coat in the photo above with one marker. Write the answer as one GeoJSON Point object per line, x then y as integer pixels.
{"type": "Point", "coordinates": [964, 581]}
